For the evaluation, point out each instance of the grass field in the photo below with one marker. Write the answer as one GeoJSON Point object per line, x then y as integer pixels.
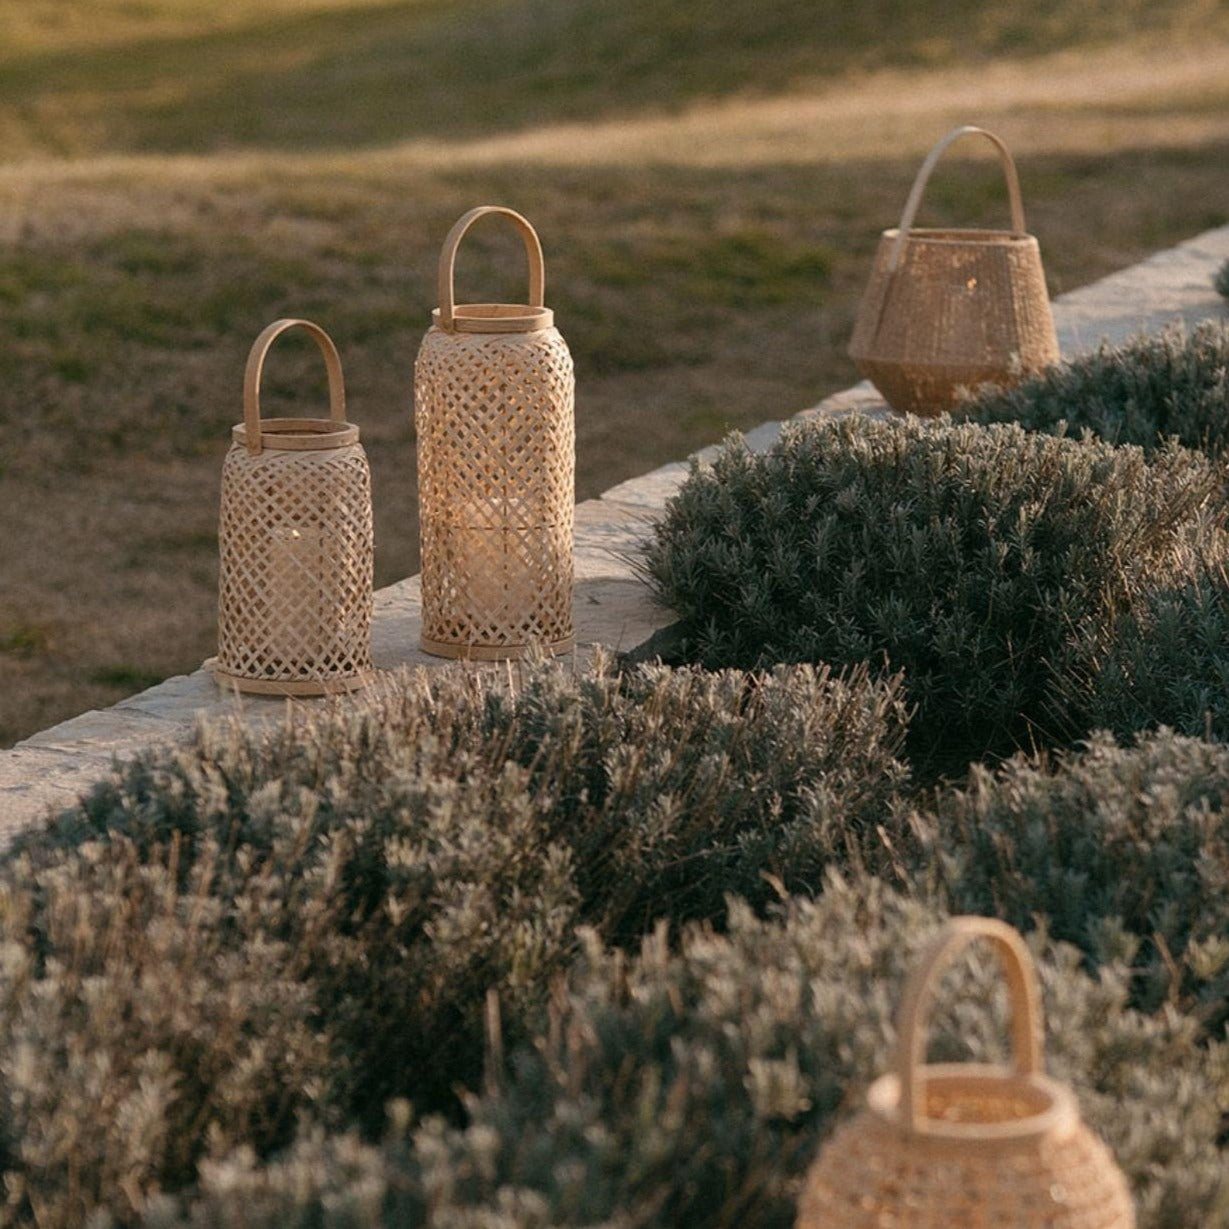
{"type": "Point", "coordinates": [708, 179]}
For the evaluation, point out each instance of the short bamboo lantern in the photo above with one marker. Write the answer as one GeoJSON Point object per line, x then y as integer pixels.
{"type": "Point", "coordinates": [493, 406]}
{"type": "Point", "coordinates": [953, 309]}
{"type": "Point", "coordinates": [295, 538]}
{"type": "Point", "coordinates": [967, 1145]}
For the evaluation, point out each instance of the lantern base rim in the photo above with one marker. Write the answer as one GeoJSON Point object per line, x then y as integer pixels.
{"type": "Point", "coordinates": [228, 681]}
{"type": "Point", "coordinates": [494, 652]}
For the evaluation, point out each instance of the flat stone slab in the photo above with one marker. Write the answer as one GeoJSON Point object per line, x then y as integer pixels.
{"type": "Point", "coordinates": [651, 490]}
{"type": "Point", "coordinates": [108, 728]}
{"type": "Point", "coordinates": [608, 538]}
{"type": "Point", "coordinates": [1171, 287]}
{"type": "Point", "coordinates": [861, 399]}
{"type": "Point", "coordinates": [612, 606]}
{"type": "Point", "coordinates": [38, 781]}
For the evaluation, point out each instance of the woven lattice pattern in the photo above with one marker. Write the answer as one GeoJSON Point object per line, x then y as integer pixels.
{"type": "Point", "coordinates": [295, 585]}
{"type": "Point", "coordinates": [496, 472]}
{"type": "Point", "coordinates": [962, 309]}
{"type": "Point", "coordinates": [871, 1176]}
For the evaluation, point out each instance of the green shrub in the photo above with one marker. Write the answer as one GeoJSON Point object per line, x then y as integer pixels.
{"type": "Point", "coordinates": [1154, 388]}
{"type": "Point", "coordinates": [1122, 852]}
{"type": "Point", "coordinates": [973, 558]}
{"type": "Point", "coordinates": [1165, 662]}
{"type": "Point", "coordinates": [1221, 280]}
{"type": "Point", "coordinates": [260, 929]}
{"type": "Point", "coordinates": [319, 935]}
{"type": "Point", "coordinates": [675, 788]}
{"type": "Point", "coordinates": [691, 1086]}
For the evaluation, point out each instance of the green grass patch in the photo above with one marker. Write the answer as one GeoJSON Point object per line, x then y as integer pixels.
{"type": "Point", "coordinates": [746, 268]}
{"type": "Point", "coordinates": [172, 79]}
{"type": "Point", "coordinates": [25, 639]}
{"type": "Point", "coordinates": [124, 678]}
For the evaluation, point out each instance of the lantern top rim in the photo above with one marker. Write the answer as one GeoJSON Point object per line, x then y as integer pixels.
{"type": "Point", "coordinates": [300, 434]}
{"type": "Point", "coordinates": [1037, 1106]}
{"type": "Point", "coordinates": [960, 235]}
{"type": "Point", "coordinates": [496, 318]}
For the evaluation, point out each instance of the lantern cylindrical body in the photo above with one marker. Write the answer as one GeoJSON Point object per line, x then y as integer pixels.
{"type": "Point", "coordinates": [494, 398]}
{"type": "Point", "coordinates": [295, 550]}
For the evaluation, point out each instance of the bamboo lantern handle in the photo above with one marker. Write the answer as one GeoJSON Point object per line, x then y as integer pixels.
{"type": "Point", "coordinates": [255, 369]}
{"type": "Point", "coordinates": [923, 175]}
{"type": "Point", "coordinates": [1022, 987]}
{"type": "Point", "coordinates": [448, 257]}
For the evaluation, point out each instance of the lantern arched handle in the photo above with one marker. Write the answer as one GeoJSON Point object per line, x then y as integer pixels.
{"type": "Point", "coordinates": [923, 175]}
{"type": "Point", "coordinates": [912, 1021]}
{"type": "Point", "coordinates": [256, 365]}
{"type": "Point", "coordinates": [448, 258]}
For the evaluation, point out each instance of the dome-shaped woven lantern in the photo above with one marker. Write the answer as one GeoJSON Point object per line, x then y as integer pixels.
{"type": "Point", "coordinates": [953, 309]}
{"type": "Point", "coordinates": [965, 1145]}
{"type": "Point", "coordinates": [295, 542]}
{"type": "Point", "coordinates": [493, 407]}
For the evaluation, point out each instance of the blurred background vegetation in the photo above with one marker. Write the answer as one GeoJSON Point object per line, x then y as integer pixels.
{"type": "Point", "coordinates": [709, 180]}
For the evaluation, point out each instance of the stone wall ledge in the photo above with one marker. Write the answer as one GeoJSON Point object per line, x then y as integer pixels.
{"type": "Point", "coordinates": [612, 606]}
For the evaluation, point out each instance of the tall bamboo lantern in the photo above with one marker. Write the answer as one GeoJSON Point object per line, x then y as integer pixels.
{"type": "Point", "coordinates": [962, 1144]}
{"type": "Point", "coordinates": [296, 546]}
{"type": "Point", "coordinates": [494, 410]}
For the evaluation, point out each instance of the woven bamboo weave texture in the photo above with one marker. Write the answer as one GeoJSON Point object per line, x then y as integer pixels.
{"type": "Point", "coordinates": [967, 1145]}
{"type": "Point", "coordinates": [296, 547]}
{"type": "Point", "coordinates": [494, 412]}
{"type": "Point", "coordinates": [947, 310]}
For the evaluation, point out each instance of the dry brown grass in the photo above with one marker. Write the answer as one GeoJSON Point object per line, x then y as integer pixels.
{"type": "Point", "coordinates": [705, 255]}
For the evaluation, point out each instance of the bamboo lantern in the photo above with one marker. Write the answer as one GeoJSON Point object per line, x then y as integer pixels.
{"type": "Point", "coordinates": [493, 406]}
{"type": "Point", "coordinates": [967, 1145]}
{"type": "Point", "coordinates": [295, 539]}
{"type": "Point", "coordinates": [953, 309]}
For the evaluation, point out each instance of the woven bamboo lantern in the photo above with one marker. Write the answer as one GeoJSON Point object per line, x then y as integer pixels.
{"type": "Point", "coordinates": [493, 406]}
{"type": "Point", "coordinates": [967, 1145]}
{"type": "Point", "coordinates": [952, 309]}
{"type": "Point", "coordinates": [295, 538]}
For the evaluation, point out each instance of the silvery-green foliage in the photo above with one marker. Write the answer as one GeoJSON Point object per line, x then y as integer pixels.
{"type": "Point", "coordinates": [1123, 852]}
{"type": "Point", "coordinates": [1165, 662]}
{"type": "Point", "coordinates": [303, 924]}
{"type": "Point", "coordinates": [691, 1084]}
{"type": "Point", "coordinates": [975, 559]}
{"type": "Point", "coordinates": [673, 788]}
{"type": "Point", "coordinates": [1171, 385]}
{"type": "Point", "coordinates": [138, 1029]}
{"type": "Point", "coordinates": [288, 957]}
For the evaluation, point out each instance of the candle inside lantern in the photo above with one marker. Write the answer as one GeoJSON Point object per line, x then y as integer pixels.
{"type": "Point", "coordinates": [294, 593]}
{"type": "Point", "coordinates": [504, 562]}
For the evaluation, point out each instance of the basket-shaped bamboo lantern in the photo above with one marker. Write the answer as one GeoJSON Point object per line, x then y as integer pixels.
{"type": "Point", "coordinates": [965, 1145]}
{"type": "Point", "coordinates": [493, 406]}
{"type": "Point", "coordinates": [295, 539]}
{"type": "Point", "coordinates": [953, 309]}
